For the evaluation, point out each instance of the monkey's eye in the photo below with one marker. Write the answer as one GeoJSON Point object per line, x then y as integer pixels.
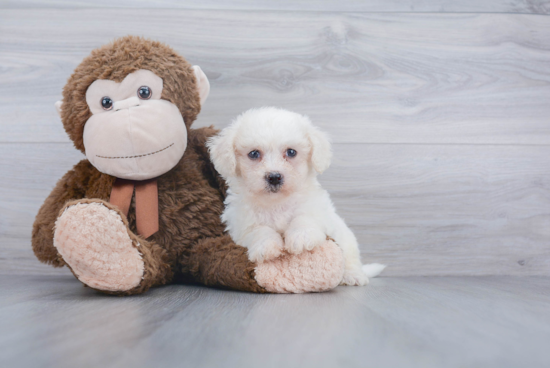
{"type": "Point", "coordinates": [106, 103]}
{"type": "Point", "coordinates": [145, 92]}
{"type": "Point", "coordinates": [291, 153]}
{"type": "Point", "coordinates": [254, 155]}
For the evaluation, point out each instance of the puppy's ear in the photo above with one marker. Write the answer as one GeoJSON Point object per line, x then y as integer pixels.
{"type": "Point", "coordinates": [222, 152]}
{"type": "Point", "coordinates": [321, 150]}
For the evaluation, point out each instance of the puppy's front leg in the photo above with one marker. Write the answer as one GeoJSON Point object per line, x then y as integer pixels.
{"type": "Point", "coordinates": [263, 244]}
{"type": "Point", "coordinates": [303, 233]}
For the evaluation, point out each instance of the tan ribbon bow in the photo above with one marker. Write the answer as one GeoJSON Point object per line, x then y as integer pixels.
{"type": "Point", "coordinates": [147, 203]}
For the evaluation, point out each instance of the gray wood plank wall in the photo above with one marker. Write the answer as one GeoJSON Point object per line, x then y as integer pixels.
{"type": "Point", "coordinates": [440, 121]}
{"type": "Point", "coordinates": [387, 6]}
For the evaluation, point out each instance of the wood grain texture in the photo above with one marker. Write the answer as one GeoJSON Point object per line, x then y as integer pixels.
{"type": "Point", "coordinates": [421, 209]}
{"type": "Point", "coordinates": [393, 322]}
{"type": "Point", "coordinates": [393, 6]}
{"type": "Point", "coordinates": [440, 120]}
{"type": "Point", "coordinates": [365, 78]}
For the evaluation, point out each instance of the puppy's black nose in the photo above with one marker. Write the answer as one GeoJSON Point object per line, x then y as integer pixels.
{"type": "Point", "coordinates": [274, 178]}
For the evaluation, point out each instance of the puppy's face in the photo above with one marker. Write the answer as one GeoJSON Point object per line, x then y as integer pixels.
{"type": "Point", "coordinates": [270, 151]}
{"type": "Point", "coordinates": [270, 162]}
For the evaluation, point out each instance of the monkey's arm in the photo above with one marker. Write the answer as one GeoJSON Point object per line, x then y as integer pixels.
{"type": "Point", "coordinates": [71, 186]}
{"type": "Point", "coordinates": [197, 140]}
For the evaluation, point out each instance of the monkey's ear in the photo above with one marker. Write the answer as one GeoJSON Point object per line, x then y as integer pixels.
{"type": "Point", "coordinates": [58, 107]}
{"type": "Point", "coordinates": [203, 84]}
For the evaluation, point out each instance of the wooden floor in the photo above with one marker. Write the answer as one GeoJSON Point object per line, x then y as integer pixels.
{"type": "Point", "coordinates": [423, 322]}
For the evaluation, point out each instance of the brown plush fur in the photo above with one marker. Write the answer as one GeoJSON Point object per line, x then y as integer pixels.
{"type": "Point", "coordinates": [191, 244]}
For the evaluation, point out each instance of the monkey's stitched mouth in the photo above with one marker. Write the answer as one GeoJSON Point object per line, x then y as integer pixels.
{"type": "Point", "coordinates": [145, 154]}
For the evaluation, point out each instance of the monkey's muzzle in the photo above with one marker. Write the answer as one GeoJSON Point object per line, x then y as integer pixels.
{"type": "Point", "coordinates": [137, 139]}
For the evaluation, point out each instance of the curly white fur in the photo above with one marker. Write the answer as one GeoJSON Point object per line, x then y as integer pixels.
{"type": "Point", "coordinates": [295, 215]}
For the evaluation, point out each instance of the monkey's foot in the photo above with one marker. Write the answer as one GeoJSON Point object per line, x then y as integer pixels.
{"type": "Point", "coordinates": [94, 241]}
{"type": "Point", "coordinates": [320, 269]}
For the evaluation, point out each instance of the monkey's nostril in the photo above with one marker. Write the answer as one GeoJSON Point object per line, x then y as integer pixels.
{"type": "Point", "coordinates": [274, 178]}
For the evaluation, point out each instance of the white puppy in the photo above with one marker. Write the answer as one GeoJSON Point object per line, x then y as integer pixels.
{"type": "Point", "coordinates": [270, 159]}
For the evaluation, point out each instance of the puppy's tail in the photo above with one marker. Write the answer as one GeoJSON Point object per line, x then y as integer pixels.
{"type": "Point", "coordinates": [373, 269]}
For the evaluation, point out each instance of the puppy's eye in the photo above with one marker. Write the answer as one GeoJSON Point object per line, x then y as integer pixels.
{"type": "Point", "coordinates": [106, 103]}
{"type": "Point", "coordinates": [145, 92]}
{"type": "Point", "coordinates": [254, 155]}
{"type": "Point", "coordinates": [291, 153]}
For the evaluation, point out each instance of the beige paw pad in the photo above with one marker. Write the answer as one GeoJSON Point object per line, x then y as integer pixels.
{"type": "Point", "coordinates": [318, 270]}
{"type": "Point", "coordinates": [94, 242]}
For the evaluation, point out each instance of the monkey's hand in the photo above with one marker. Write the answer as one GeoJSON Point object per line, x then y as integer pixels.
{"type": "Point", "coordinates": [71, 186]}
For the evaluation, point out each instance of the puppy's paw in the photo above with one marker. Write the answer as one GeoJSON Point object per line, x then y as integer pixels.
{"type": "Point", "coordinates": [265, 249]}
{"type": "Point", "coordinates": [354, 277]}
{"type": "Point", "coordinates": [299, 239]}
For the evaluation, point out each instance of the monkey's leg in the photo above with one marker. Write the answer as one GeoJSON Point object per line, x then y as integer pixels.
{"type": "Point", "coordinates": [95, 242]}
{"type": "Point", "coordinates": [220, 262]}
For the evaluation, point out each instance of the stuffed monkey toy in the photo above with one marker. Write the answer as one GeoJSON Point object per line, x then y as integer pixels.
{"type": "Point", "coordinates": [144, 208]}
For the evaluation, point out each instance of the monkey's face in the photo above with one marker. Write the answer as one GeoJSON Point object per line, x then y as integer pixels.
{"type": "Point", "coordinates": [133, 133]}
